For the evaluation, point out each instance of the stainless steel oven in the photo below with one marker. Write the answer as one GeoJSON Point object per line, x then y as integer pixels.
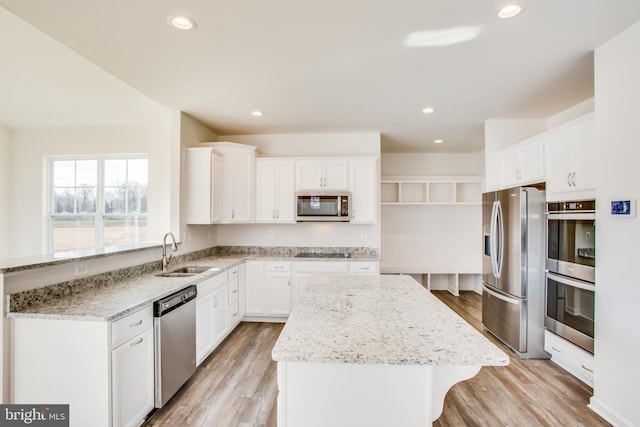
{"type": "Point", "coordinates": [571, 239]}
{"type": "Point", "coordinates": [570, 271]}
{"type": "Point", "coordinates": [570, 309]}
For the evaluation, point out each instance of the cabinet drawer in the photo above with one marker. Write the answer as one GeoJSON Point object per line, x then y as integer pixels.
{"type": "Point", "coordinates": [234, 272]}
{"type": "Point", "coordinates": [233, 291]}
{"type": "Point", "coordinates": [321, 267]}
{"type": "Point", "coordinates": [364, 267]}
{"type": "Point", "coordinates": [131, 325]}
{"type": "Point", "coordinates": [569, 356]}
{"type": "Point", "coordinates": [234, 317]}
{"type": "Point", "coordinates": [277, 266]}
{"type": "Point", "coordinates": [211, 284]}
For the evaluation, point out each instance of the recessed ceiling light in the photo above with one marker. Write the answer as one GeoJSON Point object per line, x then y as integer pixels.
{"type": "Point", "coordinates": [428, 110]}
{"type": "Point", "coordinates": [256, 113]}
{"type": "Point", "coordinates": [182, 22]}
{"type": "Point", "coordinates": [445, 37]}
{"type": "Point", "coordinates": [438, 141]}
{"type": "Point", "coordinates": [510, 10]}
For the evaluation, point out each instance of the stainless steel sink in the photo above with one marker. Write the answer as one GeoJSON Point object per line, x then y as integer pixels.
{"type": "Point", "coordinates": [187, 271]}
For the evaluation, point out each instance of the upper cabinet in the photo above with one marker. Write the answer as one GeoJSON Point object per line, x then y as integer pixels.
{"type": "Point", "coordinates": [571, 159]}
{"type": "Point", "coordinates": [204, 186]}
{"type": "Point", "coordinates": [238, 181]}
{"type": "Point", "coordinates": [322, 174]}
{"type": "Point", "coordinates": [363, 182]}
{"type": "Point", "coordinates": [275, 190]}
{"type": "Point", "coordinates": [523, 163]}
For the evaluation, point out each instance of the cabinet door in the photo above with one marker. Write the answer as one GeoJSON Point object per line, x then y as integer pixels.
{"type": "Point", "coordinates": [220, 314]}
{"type": "Point", "coordinates": [266, 190]}
{"type": "Point", "coordinates": [203, 186]}
{"type": "Point", "coordinates": [286, 192]}
{"type": "Point", "coordinates": [216, 189]}
{"type": "Point", "coordinates": [584, 156]}
{"type": "Point", "coordinates": [204, 327]}
{"type": "Point", "coordinates": [300, 283]}
{"type": "Point", "coordinates": [279, 293]}
{"type": "Point", "coordinates": [336, 174]}
{"type": "Point", "coordinates": [309, 175]}
{"type": "Point", "coordinates": [558, 159]}
{"type": "Point", "coordinates": [531, 161]}
{"type": "Point", "coordinates": [509, 167]}
{"type": "Point", "coordinates": [254, 285]}
{"type": "Point", "coordinates": [242, 290]}
{"type": "Point", "coordinates": [364, 191]}
{"type": "Point", "coordinates": [242, 177]}
{"type": "Point", "coordinates": [132, 373]}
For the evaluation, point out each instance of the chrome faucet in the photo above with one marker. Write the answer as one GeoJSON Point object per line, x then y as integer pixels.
{"type": "Point", "coordinates": [174, 247]}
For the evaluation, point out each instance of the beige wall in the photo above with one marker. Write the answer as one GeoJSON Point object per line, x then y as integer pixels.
{"type": "Point", "coordinates": [5, 175]}
{"type": "Point", "coordinates": [432, 164]}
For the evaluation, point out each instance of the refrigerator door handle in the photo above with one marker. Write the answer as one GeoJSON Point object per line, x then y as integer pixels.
{"type": "Point", "coordinates": [497, 239]}
{"type": "Point", "coordinates": [501, 297]}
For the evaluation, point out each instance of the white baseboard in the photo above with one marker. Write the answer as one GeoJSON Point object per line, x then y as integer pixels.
{"type": "Point", "coordinates": [605, 411]}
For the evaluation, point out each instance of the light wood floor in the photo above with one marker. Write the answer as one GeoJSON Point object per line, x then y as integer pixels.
{"type": "Point", "coordinates": [236, 386]}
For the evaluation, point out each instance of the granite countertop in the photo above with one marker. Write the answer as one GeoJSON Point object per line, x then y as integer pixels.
{"type": "Point", "coordinates": [111, 302]}
{"type": "Point", "coordinates": [379, 320]}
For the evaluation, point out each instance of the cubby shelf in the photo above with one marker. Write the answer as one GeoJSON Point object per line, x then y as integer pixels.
{"type": "Point", "coordinates": [426, 190]}
{"type": "Point", "coordinates": [431, 229]}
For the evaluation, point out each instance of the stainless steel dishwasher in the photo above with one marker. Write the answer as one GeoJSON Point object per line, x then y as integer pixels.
{"type": "Point", "coordinates": [175, 342]}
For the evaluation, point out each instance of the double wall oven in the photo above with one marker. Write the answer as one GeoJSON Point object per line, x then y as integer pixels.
{"type": "Point", "coordinates": [570, 271]}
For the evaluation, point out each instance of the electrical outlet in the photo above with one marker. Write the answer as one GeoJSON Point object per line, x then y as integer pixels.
{"type": "Point", "coordinates": [80, 269]}
{"type": "Point", "coordinates": [363, 234]}
{"type": "Point", "coordinates": [270, 234]}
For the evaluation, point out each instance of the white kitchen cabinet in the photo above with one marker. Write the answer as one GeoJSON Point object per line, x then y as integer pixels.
{"type": "Point", "coordinates": [220, 314]}
{"type": "Point", "coordinates": [278, 288]}
{"type": "Point", "coordinates": [209, 326]}
{"type": "Point", "coordinates": [238, 181]}
{"type": "Point", "coordinates": [233, 297]}
{"type": "Point", "coordinates": [322, 174]}
{"type": "Point", "coordinates": [242, 290]}
{"type": "Point", "coordinates": [364, 190]}
{"type": "Point", "coordinates": [363, 267]}
{"type": "Point", "coordinates": [571, 159]}
{"type": "Point", "coordinates": [133, 380]}
{"type": "Point", "coordinates": [103, 370]}
{"type": "Point", "coordinates": [275, 191]}
{"type": "Point", "coordinates": [570, 357]}
{"type": "Point", "coordinates": [523, 163]}
{"type": "Point", "coordinates": [255, 304]}
{"type": "Point", "coordinates": [203, 170]}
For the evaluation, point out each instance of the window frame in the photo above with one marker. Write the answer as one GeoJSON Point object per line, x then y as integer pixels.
{"type": "Point", "coordinates": [99, 215]}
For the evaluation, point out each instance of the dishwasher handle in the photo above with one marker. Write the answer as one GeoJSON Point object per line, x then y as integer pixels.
{"type": "Point", "coordinates": [169, 303]}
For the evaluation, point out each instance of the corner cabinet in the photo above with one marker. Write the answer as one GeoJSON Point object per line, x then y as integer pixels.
{"type": "Point", "coordinates": [203, 174]}
{"type": "Point", "coordinates": [275, 191]}
{"type": "Point", "coordinates": [322, 174]}
{"type": "Point", "coordinates": [238, 181]}
{"type": "Point", "coordinates": [571, 160]}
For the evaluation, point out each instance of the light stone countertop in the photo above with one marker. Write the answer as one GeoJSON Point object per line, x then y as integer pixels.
{"type": "Point", "coordinates": [379, 320]}
{"type": "Point", "coordinates": [111, 302]}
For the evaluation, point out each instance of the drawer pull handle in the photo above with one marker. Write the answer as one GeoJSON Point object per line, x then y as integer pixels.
{"type": "Point", "coordinates": [586, 369]}
{"type": "Point", "coordinates": [234, 291]}
{"type": "Point", "coordinates": [138, 323]}
{"type": "Point", "coordinates": [137, 342]}
{"type": "Point", "coordinates": [556, 349]}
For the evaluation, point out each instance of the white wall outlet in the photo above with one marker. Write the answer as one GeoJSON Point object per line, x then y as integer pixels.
{"type": "Point", "coordinates": [80, 269]}
{"type": "Point", "coordinates": [270, 234]}
{"type": "Point", "coordinates": [363, 234]}
{"type": "Point", "coordinates": [188, 236]}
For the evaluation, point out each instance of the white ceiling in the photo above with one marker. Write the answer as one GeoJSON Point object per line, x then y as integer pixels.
{"type": "Point", "coordinates": [330, 66]}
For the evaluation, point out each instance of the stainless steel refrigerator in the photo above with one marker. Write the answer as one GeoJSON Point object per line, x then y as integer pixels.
{"type": "Point", "coordinates": [513, 269]}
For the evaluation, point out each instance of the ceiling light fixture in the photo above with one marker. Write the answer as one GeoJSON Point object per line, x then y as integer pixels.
{"type": "Point", "coordinates": [428, 110]}
{"type": "Point", "coordinates": [256, 113]}
{"type": "Point", "coordinates": [438, 141]}
{"type": "Point", "coordinates": [446, 37]}
{"type": "Point", "coordinates": [181, 22]}
{"type": "Point", "coordinates": [510, 10]}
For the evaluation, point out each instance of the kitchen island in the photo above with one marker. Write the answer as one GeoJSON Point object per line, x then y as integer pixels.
{"type": "Point", "coordinates": [373, 351]}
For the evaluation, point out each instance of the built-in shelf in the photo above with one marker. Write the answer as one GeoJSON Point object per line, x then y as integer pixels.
{"type": "Point", "coordinates": [432, 230]}
{"type": "Point", "coordinates": [431, 190]}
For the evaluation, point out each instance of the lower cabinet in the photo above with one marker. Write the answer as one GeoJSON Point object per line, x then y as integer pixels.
{"type": "Point", "coordinates": [103, 370]}
{"type": "Point", "coordinates": [278, 288]}
{"type": "Point", "coordinates": [570, 357]}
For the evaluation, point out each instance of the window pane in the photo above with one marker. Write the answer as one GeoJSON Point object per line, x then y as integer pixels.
{"type": "Point", "coordinates": [86, 173]}
{"type": "Point", "coordinates": [73, 233]}
{"type": "Point", "coordinates": [124, 230]}
{"type": "Point", "coordinates": [138, 171]}
{"type": "Point", "coordinates": [115, 199]}
{"type": "Point", "coordinates": [115, 172]}
{"type": "Point", "coordinates": [63, 200]}
{"type": "Point", "coordinates": [64, 173]}
{"type": "Point", "coordinates": [137, 199]}
{"type": "Point", "coordinates": [85, 199]}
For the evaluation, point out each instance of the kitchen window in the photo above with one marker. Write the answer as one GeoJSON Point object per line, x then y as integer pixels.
{"type": "Point", "coordinates": [97, 202]}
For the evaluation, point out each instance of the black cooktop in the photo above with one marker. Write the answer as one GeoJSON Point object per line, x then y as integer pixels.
{"type": "Point", "coordinates": [321, 255]}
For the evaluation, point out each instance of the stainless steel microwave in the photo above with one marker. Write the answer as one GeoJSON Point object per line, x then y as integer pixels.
{"type": "Point", "coordinates": [323, 206]}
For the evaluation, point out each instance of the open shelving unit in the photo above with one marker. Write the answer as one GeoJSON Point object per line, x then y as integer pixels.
{"type": "Point", "coordinates": [432, 230]}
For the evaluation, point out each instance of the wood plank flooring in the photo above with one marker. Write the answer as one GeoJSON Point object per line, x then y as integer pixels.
{"type": "Point", "coordinates": [236, 386]}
